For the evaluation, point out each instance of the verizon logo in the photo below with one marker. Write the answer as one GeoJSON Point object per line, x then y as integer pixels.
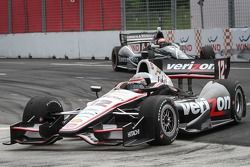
{"type": "Point", "coordinates": [215, 105]}
{"type": "Point", "coordinates": [190, 66]}
{"type": "Point", "coordinates": [195, 107]}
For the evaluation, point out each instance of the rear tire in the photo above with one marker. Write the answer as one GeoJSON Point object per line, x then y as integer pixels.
{"type": "Point", "coordinates": [115, 59]}
{"type": "Point", "coordinates": [161, 119]}
{"type": "Point", "coordinates": [207, 52]}
{"type": "Point", "coordinates": [238, 99]}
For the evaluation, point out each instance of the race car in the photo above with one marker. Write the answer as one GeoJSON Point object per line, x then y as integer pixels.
{"type": "Point", "coordinates": [137, 46]}
{"type": "Point", "coordinates": [147, 108]}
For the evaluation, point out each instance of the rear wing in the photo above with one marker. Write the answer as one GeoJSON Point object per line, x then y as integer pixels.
{"type": "Point", "coordinates": [128, 38]}
{"type": "Point", "coordinates": [194, 68]}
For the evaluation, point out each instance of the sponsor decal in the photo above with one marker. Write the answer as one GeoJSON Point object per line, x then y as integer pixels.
{"type": "Point", "coordinates": [216, 46]}
{"type": "Point", "coordinates": [139, 47]}
{"type": "Point", "coordinates": [183, 40]}
{"type": "Point", "coordinates": [70, 125]}
{"type": "Point", "coordinates": [243, 46]}
{"type": "Point", "coordinates": [123, 59]}
{"type": "Point", "coordinates": [244, 43]}
{"type": "Point", "coordinates": [134, 59]}
{"type": "Point", "coordinates": [186, 48]}
{"type": "Point", "coordinates": [244, 39]}
{"type": "Point", "coordinates": [219, 105]}
{"type": "Point", "coordinates": [212, 39]}
{"type": "Point", "coordinates": [216, 106]}
{"type": "Point", "coordinates": [197, 107]}
{"type": "Point", "coordinates": [76, 120]}
{"type": "Point", "coordinates": [53, 101]}
{"type": "Point", "coordinates": [138, 36]}
{"type": "Point", "coordinates": [110, 96]}
{"type": "Point", "coordinates": [190, 66]}
{"type": "Point", "coordinates": [102, 103]}
{"type": "Point", "coordinates": [133, 133]}
{"type": "Point", "coordinates": [135, 47]}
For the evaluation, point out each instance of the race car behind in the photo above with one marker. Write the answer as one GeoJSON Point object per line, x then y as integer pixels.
{"type": "Point", "coordinates": [134, 47]}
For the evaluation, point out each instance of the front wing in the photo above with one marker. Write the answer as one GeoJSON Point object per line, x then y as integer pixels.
{"type": "Point", "coordinates": [131, 134]}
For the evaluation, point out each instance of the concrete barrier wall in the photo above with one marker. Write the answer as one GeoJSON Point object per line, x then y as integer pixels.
{"type": "Point", "coordinates": [84, 45]}
{"type": "Point", "coordinates": [75, 45]}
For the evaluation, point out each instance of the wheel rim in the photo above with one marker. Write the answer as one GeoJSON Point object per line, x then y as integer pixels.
{"type": "Point", "coordinates": [239, 103]}
{"type": "Point", "coordinates": [168, 120]}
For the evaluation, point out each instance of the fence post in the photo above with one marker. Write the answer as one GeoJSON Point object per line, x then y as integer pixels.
{"type": "Point", "coordinates": [231, 14]}
{"type": "Point", "coordinates": [62, 19]}
{"type": "Point", "coordinates": [102, 13]}
{"type": "Point", "coordinates": [173, 14]}
{"type": "Point", "coordinates": [44, 26]}
{"type": "Point", "coordinates": [123, 14]}
{"type": "Point", "coordinates": [9, 16]}
{"type": "Point", "coordinates": [147, 8]}
{"type": "Point", "coordinates": [26, 25]}
{"type": "Point", "coordinates": [81, 14]}
{"type": "Point", "coordinates": [201, 3]}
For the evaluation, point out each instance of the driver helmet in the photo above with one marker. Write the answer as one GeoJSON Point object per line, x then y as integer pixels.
{"type": "Point", "coordinates": [162, 40]}
{"type": "Point", "coordinates": [158, 29]}
{"type": "Point", "coordinates": [136, 83]}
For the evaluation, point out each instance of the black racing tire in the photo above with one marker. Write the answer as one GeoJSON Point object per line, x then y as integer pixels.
{"type": "Point", "coordinates": [114, 58]}
{"type": "Point", "coordinates": [40, 109]}
{"type": "Point", "coordinates": [207, 52]}
{"type": "Point", "coordinates": [161, 119]}
{"type": "Point", "coordinates": [238, 99]}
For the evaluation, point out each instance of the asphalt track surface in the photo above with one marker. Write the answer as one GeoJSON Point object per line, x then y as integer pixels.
{"type": "Point", "coordinates": [69, 81]}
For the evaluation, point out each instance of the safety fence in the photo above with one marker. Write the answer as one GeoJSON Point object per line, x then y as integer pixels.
{"type": "Point", "coordinates": [229, 42]}
{"type": "Point", "coordinates": [26, 16]}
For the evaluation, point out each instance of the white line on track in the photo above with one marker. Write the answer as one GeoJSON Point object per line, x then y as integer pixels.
{"type": "Point", "coordinates": [240, 68]}
{"type": "Point", "coordinates": [3, 74]}
{"type": "Point", "coordinates": [6, 62]}
{"type": "Point", "coordinates": [248, 104]}
{"type": "Point", "coordinates": [78, 64]}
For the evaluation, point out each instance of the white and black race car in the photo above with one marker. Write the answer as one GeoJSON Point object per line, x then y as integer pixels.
{"type": "Point", "coordinates": [147, 108]}
{"type": "Point", "coordinates": [137, 46]}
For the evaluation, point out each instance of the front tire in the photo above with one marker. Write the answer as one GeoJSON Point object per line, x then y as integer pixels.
{"type": "Point", "coordinates": [161, 119]}
{"type": "Point", "coordinates": [40, 109]}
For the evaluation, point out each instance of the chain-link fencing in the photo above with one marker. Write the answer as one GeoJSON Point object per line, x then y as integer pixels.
{"type": "Point", "coordinates": [24, 16]}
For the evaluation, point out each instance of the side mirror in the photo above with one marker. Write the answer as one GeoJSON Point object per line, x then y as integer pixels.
{"type": "Point", "coordinates": [96, 89]}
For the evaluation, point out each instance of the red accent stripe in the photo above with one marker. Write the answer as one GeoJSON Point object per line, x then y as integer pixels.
{"type": "Point", "coordinates": [195, 76]}
{"type": "Point", "coordinates": [25, 129]}
{"type": "Point", "coordinates": [213, 111]}
{"type": "Point", "coordinates": [107, 130]}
